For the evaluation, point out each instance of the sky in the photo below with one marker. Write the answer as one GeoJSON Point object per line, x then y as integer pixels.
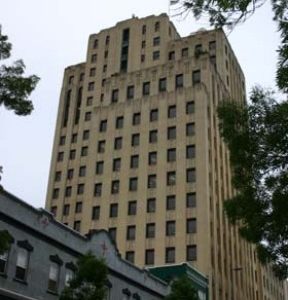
{"type": "Point", "coordinates": [50, 35]}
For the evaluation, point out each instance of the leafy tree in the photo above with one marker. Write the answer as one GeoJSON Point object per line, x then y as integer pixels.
{"type": "Point", "coordinates": [182, 289]}
{"type": "Point", "coordinates": [14, 87]}
{"type": "Point", "coordinates": [5, 241]}
{"type": "Point", "coordinates": [89, 281]}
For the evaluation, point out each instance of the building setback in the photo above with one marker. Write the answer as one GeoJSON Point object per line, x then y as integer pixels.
{"type": "Point", "coordinates": [137, 151]}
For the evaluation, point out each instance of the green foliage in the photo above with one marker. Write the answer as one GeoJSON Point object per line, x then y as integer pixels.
{"type": "Point", "coordinates": [14, 87]}
{"type": "Point", "coordinates": [5, 241]}
{"type": "Point", "coordinates": [90, 280]}
{"type": "Point", "coordinates": [257, 138]}
{"type": "Point", "coordinates": [182, 289]}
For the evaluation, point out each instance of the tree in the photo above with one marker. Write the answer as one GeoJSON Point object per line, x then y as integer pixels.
{"type": "Point", "coordinates": [14, 87]}
{"type": "Point", "coordinates": [182, 289]}
{"type": "Point", "coordinates": [5, 241]}
{"type": "Point", "coordinates": [89, 282]}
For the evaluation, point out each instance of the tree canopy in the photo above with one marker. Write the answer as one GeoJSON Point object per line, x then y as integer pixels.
{"type": "Point", "coordinates": [5, 241]}
{"type": "Point", "coordinates": [182, 289]}
{"type": "Point", "coordinates": [89, 282]}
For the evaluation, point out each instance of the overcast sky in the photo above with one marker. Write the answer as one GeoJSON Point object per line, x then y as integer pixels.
{"type": "Point", "coordinates": [50, 35]}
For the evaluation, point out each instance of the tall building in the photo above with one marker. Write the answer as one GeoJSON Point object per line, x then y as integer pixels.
{"type": "Point", "coordinates": [137, 151]}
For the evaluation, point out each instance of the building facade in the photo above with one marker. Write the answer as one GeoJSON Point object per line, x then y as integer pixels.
{"type": "Point", "coordinates": [43, 255]}
{"type": "Point", "coordinates": [137, 151]}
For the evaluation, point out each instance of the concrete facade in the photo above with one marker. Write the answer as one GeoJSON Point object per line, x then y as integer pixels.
{"type": "Point", "coordinates": [137, 151]}
{"type": "Point", "coordinates": [48, 241]}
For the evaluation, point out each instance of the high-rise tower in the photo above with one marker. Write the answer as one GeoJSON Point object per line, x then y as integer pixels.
{"type": "Point", "coordinates": [137, 151]}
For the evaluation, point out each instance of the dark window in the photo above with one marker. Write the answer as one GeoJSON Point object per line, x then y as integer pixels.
{"type": "Point", "coordinates": [172, 111]}
{"type": "Point", "coordinates": [103, 82]}
{"type": "Point", "coordinates": [91, 86]}
{"type": "Point", "coordinates": [171, 55]}
{"type": "Point", "coordinates": [71, 79]}
{"type": "Point", "coordinates": [66, 209]}
{"type": "Point", "coordinates": [171, 154]}
{"type": "Point", "coordinates": [171, 202]}
{"type": "Point", "coordinates": [118, 143]}
{"type": "Point", "coordinates": [131, 232]}
{"type": "Point", "coordinates": [99, 167]}
{"type": "Point", "coordinates": [98, 189]}
{"type": "Point", "coordinates": [53, 212]}
{"type": "Point", "coordinates": [107, 40]}
{"type": "Point", "coordinates": [95, 44]}
{"type": "Point", "coordinates": [133, 184]}
{"type": "Point", "coordinates": [156, 55]}
{"type": "Point", "coordinates": [70, 174]}
{"type": "Point", "coordinates": [190, 107]}
{"type": "Point", "coordinates": [101, 146]}
{"type": "Point", "coordinates": [88, 116]}
{"type": "Point", "coordinates": [190, 129]}
{"type": "Point", "coordinates": [153, 136]}
{"type": "Point", "coordinates": [86, 134]}
{"type": "Point", "coordinates": [156, 41]}
{"type": "Point", "coordinates": [104, 68]}
{"type": "Point", "coordinates": [82, 171]}
{"type": "Point", "coordinates": [132, 208]}
{"type": "Point", "coordinates": [152, 158]}
{"type": "Point", "coordinates": [74, 138]}
{"type": "Point", "coordinates": [115, 186]}
{"type": "Point", "coordinates": [191, 253]}
{"type": "Point", "coordinates": [190, 151]}
{"type": "Point", "coordinates": [89, 101]}
{"type": "Point", "coordinates": [152, 181]}
{"type": "Point", "coordinates": [146, 88]}
{"type": "Point", "coordinates": [92, 72]}
{"type": "Point", "coordinates": [55, 193]}
{"type": "Point", "coordinates": [149, 257]}
{"type": "Point", "coordinates": [103, 126]}
{"type": "Point", "coordinates": [157, 26]}
{"type": "Point", "coordinates": [72, 153]}
{"type": "Point", "coordinates": [196, 76]}
{"type": "Point", "coordinates": [95, 213]}
{"type": "Point", "coordinates": [101, 97]}
{"type": "Point", "coordinates": [179, 81]}
{"type": "Point", "coordinates": [93, 58]}
{"type": "Point", "coordinates": [170, 255]}
{"type": "Point", "coordinates": [184, 52]}
{"type": "Point", "coordinates": [62, 140]}
{"type": "Point", "coordinates": [191, 225]}
{"type": "Point", "coordinates": [142, 57]}
{"type": "Point", "coordinates": [198, 50]}
{"type": "Point", "coordinates": [170, 228]}
{"type": "Point", "coordinates": [114, 96]}
{"type": "Point", "coordinates": [134, 161]}
{"type": "Point", "coordinates": [143, 44]}
{"type": "Point", "coordinates": [171, 178]}
{"type": "Point", "coordinates": [151, 205]}
{"type": "Point", "coordinates": [153, 115]}
{"type": "Point", "coordinates": [143, 29]}
{"type": "Point", "coordinates": [68, 191]}
{"type": "Point", "coordinates": [84, 151]}
{"type": "Point", "coordinates": [3, 262]}
{"type": "Point", "coordinates": [119, 122]}
{"type": "Point", "coordinates": [212, 45]}
{"type": "Point", "coordinates": [191, 200]}
{"type": "Point", "coordinates": [80, 189]}
{"type": "Point", "coordinates": [116, 164]}
{"type": "Point", "coordinates": [113, 210]}
{"type": "Point", "coordinates": [22, 264]}
{"type": "Point", "coordinates": [190, 175]}
{"type": "Point", "coordinates": [130, 92]}
{"type": "Point", "coordinates": [81, 78]}
{"type": "Point", "coordinates": [150, 230]}
{"type": "Point", "coordinates": [130, 256]}
{"type": "Point", "coordinates": [78, 207]}
{"type": "Point", "coordinates": [135, 139]}
{"type": "Point", "coordinates": [77, 225]}
{"type": "Point", "coordinates": [162, 84]}
{"type": "Point", "coordinates": [60, 156]}
{"type": "Point", "coordinates": [113, 233]}
{"type": "Point", "coordinates": [57, 176]}
{"type": "Point", "coordinates": [136, 119]}
{"type": "Point", "coordinates": [171, 133]}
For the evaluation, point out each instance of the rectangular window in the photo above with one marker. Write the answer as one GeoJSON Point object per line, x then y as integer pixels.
{"type": "Point", "coordinates": [106, 54]}
{"type": "Point", "coordinates": [171, 111]}
{"type": "Point", "coordinates": [133, 184]}
{"type": "Point", "coordinates": [60, 156]}
{"type": "Point", "coordinates": [190, 107]}
{"type": "Point", "coordinates": [179, 81]}
{"type": "Point", "coordinates": [91, 86]}
{"type": "Point", "coordinates": [196, 76]}
{"type": "Point", "coordinates": [134, 161]}
{"type": "Point", "coordinates": [157, 26]}
{"type": "Point", "coordinates": [89, 101]}
{"type": "Point", "coordinates": [116, 164]}
{"type": "Point", "coordinates": [184, 52]}
{"type": "Point", "coordinates": [115, 186]}
{"type": "Point", "coordinates": [212, 45]}
{"type": "Point", "coordinates": [57, 176]}
{"type": "Point", "coordinates": [190, 200]}
{"type": "Point", "coordinates": [98, 189]}
{"type": "Point", "coordinates": [131, 233]}
{"type": "Point", "coordinates": [22, 264]}
{"type": "Point", "coordinates": [77, 225]}
{"type": "Point", "coordinates": [80, 189]}
{"type": "Point", "coordinates": [146, 88]}
{"type": "Point", "coordinates": [53, 210]}
{"type": "Point", "coordinates": [92, 72]}
{"type": "Point", "coordinates": [170, 255]}
{"type": "Point", "coordinates": [171, 133]}
{"type": "Point", "coordinates": [156, 55]}
{"type": "Point", "coordinates": [171, 154]}
{"type": "Point", "coordinates": [113, 233]}
{"type": "Point", "coordinates": [113, 210]}
{"type": "Point", "coordinates": [152, 158]}
{"type": "Point", "coordinates": [119, 122]}
{"type": "Point", "coordinates": [3, 262]}
{"type": "Point", "coordinates": [191, 175]}
{"type": "Point", "coordinates": [170, 228]}
{"type": "Point", "coordinates": [66, 209]}
{"type": "Point", "coordinates": [171, 178]}
{"type": "Point", "coordinates": [171, 55]}
{"type": "Point", "coordinates": [190, 129]}
{"type": "Point", "coordinates": [95, 44]}
{"type": "Point", "coordinates": [130, 256]}
{"type": "Point", "coordinates": [150, 230]}
{"type": "Point", "coordinates": [135, 139]}
{"type": "Point", "coordinates": [78, 207]}
{"type": "Point", "coordinates": [93, 58]}
{"type": "Point", "coordinates": [71, 79]}
{"type": "Point", "coordinates": [99, 167]}
{"type": "Point", "coordinates": [143, 29]}
{"type": "Point", "coordinates": [86, 134]}
{"type": "Point", "coordinates": [132, 208]}
{"type": "Point", "coordinates": [74, 138]}
{"type": "Point", "coordinates": [55, 193]}
{"type": "Point", "coordinates": [153, 136]}
{"type": "Point", "coordinates": [107, 40]}
{"type": "Point", "coordinates": [130, 92]}
{"type": "Point", "coordinates": [84, 151]}
{"type": "Point", "coordinates": [69, 275]}
{"type": "Point", "coordinates": [72, 154]}
{"type": "Point", "coordinates": [101, 146]}
{"type": "Point", "coordinates": [152, 181]}
{"type": "Point", "coordinates": [88, 116]}
{"type": "Point", "coordinates": [70, 173]}
{"type": "Point", "coordinates": [68, 191]}
{"type": "Point", "coordinates": [162, 84]}
{"type": "Point", "coordinates": [190, 151]}
{"type": "Point", "coordinates": [136, 119]}
{"type": "Point", "coordinates": [62, 140]}
{"type": "Point", "coordinates": [53, 277]}
{"type": "Point", "coordinates": [82, 171]}
{"type": "Point", "coordinates": [114, 96]}
{"type": "Point", "coordinates": [156, 41]}
{"type": "Point", "coordinates": [95, 213]}
{"type": "Point", "coordinates": [153, 115]}
{"type": "Point", "coordinates": [171, 202]}
{"type": "Point", "coordinates": [191, 253]}
{"type": "Point", "coordinates": [118, 143]}
{"type": "Point", "coordinates": [191, 225]}
{"type": "Point", "coordinates": [151, 205]}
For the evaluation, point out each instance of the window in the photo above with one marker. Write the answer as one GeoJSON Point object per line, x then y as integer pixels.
{"type": "Point", "coordinates": [80, 189]}
{"type": "Point", "coordinates": [153, 136]}
{"type": "Point", "coordinates": [68, 191]}
{"type": "Point", "coordinates": [153, 115]}
{"type": "Point", "coordinates": [196, 76]}
{"type": "Point", "coordinates": [89, 101]}
{"type": "Point", "coordinates": [78, 207]}
{"type": "Point", "coordinates": [179, 81]}
{"type": "Point", "coordinates": [152, 181]}
{"type": "Point", "coordinates": [170, 228]}
{"type": "Point", "coordinates": [101, 146]}
{"type": "Point", "coordinates": [162, 84]}
{"type": "Point", "coordinates": [134, 161]}
{"type": "Point", "coordinates": [198, 50]}
{"type": "Point", "coordinates": [88, 116]}
{"type": "Point", "coordinates": [70, 173]}
{"type": "Point", "coordinates": [190, 175]}
{"type": "Point", "coordinates": [82, 171]}
{"type": "Point", "coordinates": [171, 178]}
{"type": "Point", "coordinates": [57, 176]}
{"type": "Point", "coordinates": [143, 44]}
{"type": "Point", "coordinates": [103, 83]}
{"type": "Point", "coordinates": [184, 52]}
{"type": "Point", "coordinates": [62, 140]}
{"type": "Point", "coordinates": [157, 26]}
{"type": "Point", "coordinates": [171, 133]}
{"type": "Point", "coordinates": [69, 273]}
{"type": "Point", "coordinates": [66, 209]}
{"type": "Point", "coordinates": [191, 200]}
{"type": "Point", "coordinates": [171, 55]}
{"type": "Point", "coordinates": [119, 122]}
{"type": "Point", "coordinates": [115, 186]}
{"type": "Point", "coordinates": [71, 79]}
{"type": "Point", "coordinates": [95, 213]}
{"type": "Point", "coordinates": [98, 189]}
{"type": "Point", "coordinates": [3, 262]}
{"type": "Point", "coordinates": [130, 92]}
{"type": "Point", "coordinates": [101, 97]}
{"type": "Point", "coordinates": [53, 210]}
{"type": "Point", "coordinates": [212, 45]}
{"type": "Point", "coordinates": [104, 68]}
{"type": "Point", "coordinates": [191, 252]}
{"type": "Point", "coordinates": [99, 167]}
{"type": "Point", "coordinates": [106, 54]}
{"type": "Point", "coordinates": [190, 129]}
{"type": "Point", "coordinates": [171, 154]}
{"type": "Point", "coordinates": [171, 202]}
{"type": "Point", "coordinates": [114, 96]}
{"type": "Point", "coordinates": [152, 158]}
{"type": "Point", "coordinates": [22, 264]}
{"type": "Point", "coordinates": [118, 143]}
{"type": "Point", "coordinates": [131, 230]}
{"type": "Point", "coordinates": [72, 154]}
{"type": "Point", "coordinates": [151, 205]}
{"type": "Point", "coordinates": [146, 88]}
{"type": "Point", "coordinates": [130, 256]}
{"type": "Point", "coordinates": [93, 58]}
{"type": "Point", "coordinates": [91, 86]}
{"type": "Point", "coordinates": [156, 55]}
{"type": "Point", "coordinates": [142, 57]}
{"type": "Point", "coordinates": [74, 138]}
{"type": "Point", "coordinates": [113, 233]}
{"type": "Point", "coordinates": [170, 255]}
{"type": "Point", "coordinates": [136, 119]}
{"type": "Point", "coordinates": [190, 107]}
{"type": "Point", "coordinates": [81, 78]}
{"type": "Point", "coordinates": [191, 225]}
{"type": "Point", "coordinates": [132, 208]}
{"type": "Point", "coordinates": [190, 151]}
{"type": "Point", "coordinates": [95, 44]}
{"type": "Point", "coordinates": [86, 134]}
{"type": "Point", "coordinates": [103, 126]}
{"type": "Point", "coordinates": [77, 225]}
{"type": "Point", "coordinates": [107, 40]}
{"type": "Point", "coordinates": [116, 164]}
{"type": "Point", "coordinates": [143, 29]}
{"type": "Point", "coordinates": [84, 151]}
{"type": "Point", "coordinates": [133, 184]}
{"type": "Point", "coordinates": [149, 257]}
{"type": "Point", "coordinates": [156, 41]}
{"type": "Point", "coordinates": [113, 210]}
{"type": "Point", "coordinates": [60, 156]}
{"type": "Point", "coordinates": [135, 139]}
{"type": "Point", "coordinates": [150, 230]}
{"type": "Point", "coordinates": [92, 72]}
{"type": "Point", "coordinates": [172, 111]}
